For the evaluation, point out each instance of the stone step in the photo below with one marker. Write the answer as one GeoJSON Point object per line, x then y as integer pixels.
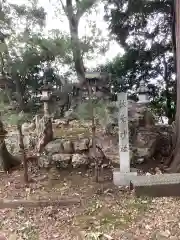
{"type": "Point", "coordinates": [162, 185]}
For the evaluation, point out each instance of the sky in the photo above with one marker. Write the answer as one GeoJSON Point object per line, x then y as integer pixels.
{"type": "Point", "coordinates": [61, 23]}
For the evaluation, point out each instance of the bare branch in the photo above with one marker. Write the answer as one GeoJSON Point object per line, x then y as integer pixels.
{"type": "Point", "coordinates": [64, 8]}
{"type": "Point", "coordinates": [83, 6]}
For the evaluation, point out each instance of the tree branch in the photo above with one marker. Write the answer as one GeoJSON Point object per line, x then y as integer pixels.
{"type": "Point", "coordinates": [64, 8]}
{"type": "Point", "coordinates": [83, 6]}
{"type": "Point", "coordinates": [69, 9]}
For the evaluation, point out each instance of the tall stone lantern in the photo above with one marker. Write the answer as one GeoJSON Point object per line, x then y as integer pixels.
{"type": "Point", "coordinates": [46, 91]}
{"type": "Point", "coordinates": [143, 92]}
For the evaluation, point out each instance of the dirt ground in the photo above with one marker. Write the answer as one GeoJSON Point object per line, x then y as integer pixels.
{"type": "Point", "coordinates": [105, 212]}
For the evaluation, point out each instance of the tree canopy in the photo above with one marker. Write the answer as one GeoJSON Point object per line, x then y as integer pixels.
{"type": "Point", "coordinates": [145, 30]}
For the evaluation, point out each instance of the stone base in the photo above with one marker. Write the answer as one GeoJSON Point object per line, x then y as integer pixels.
{"type": "Point", "coordinates": [163, 185]}
{"type": "Point", "coordinates": [123, 179]}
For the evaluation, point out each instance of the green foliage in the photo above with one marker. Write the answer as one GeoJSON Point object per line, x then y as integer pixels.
{"type": "Point", "coordinates": [146, 31]}
{"type": "Point", "coordinates": [18, 119]}
{"type": "Point", "coordinates": [100, 113]}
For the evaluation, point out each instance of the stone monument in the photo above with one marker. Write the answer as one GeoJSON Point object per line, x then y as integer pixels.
{"type": "Point", "coordinates": [124, 175]}
{"type": "Point", "coordinates": [123, 133]}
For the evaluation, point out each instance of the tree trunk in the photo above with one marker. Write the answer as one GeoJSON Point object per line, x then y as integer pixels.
{"type": "Point", "coordinates": [76, 49]}
{"type": "Point", "coordinates": [173, 29]}
{"type": "Point", "coordinates": [7, 161]}
{"type": "Point", "coordinates": [169, 112]}
{"type": "Point", "coordinates": [93, 127]}
{"type": "Point", "coordinates": [175, 165]}
{"type": "Point", "coordinates": [19, 95]}
{"type": "Point", "coordinates": [22, 148]}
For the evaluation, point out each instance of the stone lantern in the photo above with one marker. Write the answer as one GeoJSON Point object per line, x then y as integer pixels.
{"type": "Point", "coordinates": [143, 92]}
{"type": "Point", "coordinates": [46, 91]}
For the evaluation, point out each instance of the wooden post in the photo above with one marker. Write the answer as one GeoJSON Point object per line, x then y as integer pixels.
{"type": "Point", "coordinates": [22, 148]}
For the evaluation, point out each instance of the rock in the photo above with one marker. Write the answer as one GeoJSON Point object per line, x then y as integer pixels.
{"type": "Point", "coordinates": [164, 144]}
{"type": "Point", "coordinates": [99, 153]}
{"type": "Point", "coordinates": [127, 236]}
{"type": "Point", "coordinates": [99, 157]}
{"type": "Point", "coordinates": [81, 145]}
{"type": "Point", "coordinates": [173, 238]}
{"type": "Point", "coordinates": [4, 238]}
{"type": "Point", "coordinates": [138, 114]}
{"type": "Point", "coordinates": [79, 160]}
{"type": "Point", "coordinates": [55, 146]}
{"type": "Point", "coordinates": [140, 160]}
{"type": "Point", "coordinates": [62, 160]}
{"type": "Point", "coordinates": [26, 127]}
{"type": "Point", "coordinates": [44, 161]}
{"type": "Point", "coordinates": [163, 235]}
{"type": "Point", "coordinates": [12, 143]}
{"type": "Point", "coordinates": [145, 143]}
{"type": "Point", "coordinates": [68, 146]}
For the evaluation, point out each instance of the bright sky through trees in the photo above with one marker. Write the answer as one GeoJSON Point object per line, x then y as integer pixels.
{"type": "Point", "coordinates": [58, 21]}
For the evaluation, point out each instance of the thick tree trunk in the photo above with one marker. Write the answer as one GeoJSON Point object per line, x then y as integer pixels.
{"type": "Point", "coordinates": [169, 112]}
{"type": "Point", "coordinates": [7, 161]}
{"type": "Point", "coordinates": [76, 49]}
{"type": "Point", "coordinates": [173, 13]}
{"type": "Point", "coordinates": [175, 165]}
{"type": "Point", "coordinates": [93, 134]}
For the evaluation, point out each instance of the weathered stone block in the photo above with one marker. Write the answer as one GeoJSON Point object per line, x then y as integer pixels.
{"type": "Point", "coordinates": [79, 160]}
{"type": "Point", "coordinates": [44, 161]}
{"type": "Point", "coordinates": [62, 160]}
{"type": "Point", "coordinates": [68, 146]}
{"type": "Point", "coordinates": [162, 185]}
{"type": "Point", "coordinates": [81, 145]}
{"type": "Point", "coordinates": [54, 147]}
{"type": "Point", "coordinates": [123, 179]}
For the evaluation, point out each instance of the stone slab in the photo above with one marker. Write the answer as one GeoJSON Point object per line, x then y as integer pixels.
{"type": "Point", "coordinates": [162, 185]}
{"type": "Point", "coordinates": [123, 179]}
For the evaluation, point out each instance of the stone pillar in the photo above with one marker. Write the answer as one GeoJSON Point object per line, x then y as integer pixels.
{"type": "Point", "coordinates": [46, 109]}
{"type": "Point", "coordinates": [124, 175]}
{"type": "Point", "coordinates": [123, 133]}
